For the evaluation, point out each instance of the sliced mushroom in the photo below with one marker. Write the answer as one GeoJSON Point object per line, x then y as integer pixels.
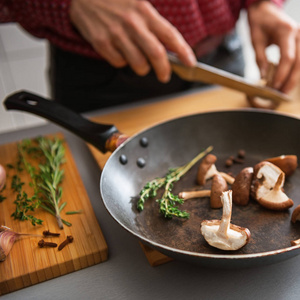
{"type": "Point", "coordinates": [276, 199]}
{"type": "Point", "coordinates": [262, 102]}
{"type": "Point", "coordinates": [207, 170]}
{"type": "Point", "coordinates": [296, 214]}
{"type": "Point", "coordinates": [220, 233]}
{"type": "Point", "coordinates": [241, 186]}
{"type": "Point", "coordinates": [218, 186]}
{"type": "Point", "coordinates": [265, 176]}
{"type": "Point", "coordinates": [287, 163]}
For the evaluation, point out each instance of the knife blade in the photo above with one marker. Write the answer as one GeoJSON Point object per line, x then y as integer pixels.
{"type": "Point", "coordinates": [208, 74]}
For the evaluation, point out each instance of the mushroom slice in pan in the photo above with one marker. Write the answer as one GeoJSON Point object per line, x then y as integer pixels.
{"type": "Point", "coordinates": [241, 187]}
{"type": "Point", "coordinates": [276, 199]}
{"type": "Point", "coordinates": [265, 177]}
{"type": "Point", "coordinates": [220, 233]}
{"type": "Point", "coordinates": [218, 186]}
{"type": "Point", "coordinates": [207, 170]}
{"type": "Point", "coordinates": [296, 214]}
{"type": "Point", "coordinates": [287, 163]}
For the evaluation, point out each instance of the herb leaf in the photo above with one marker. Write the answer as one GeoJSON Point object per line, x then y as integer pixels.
{"type": "Point", "coordinates": [168, 203]}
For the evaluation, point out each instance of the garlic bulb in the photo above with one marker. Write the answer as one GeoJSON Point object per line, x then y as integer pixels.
{"type": "Point", "coordinates": [8, 238]}
{"type": "Point", "coordinates": [2, 177]}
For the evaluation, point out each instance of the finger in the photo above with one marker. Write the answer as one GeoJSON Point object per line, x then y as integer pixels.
{"type": "Point", "coordinates": [294, 77]}
{"type": "Point", "coordinates": [103, 46]}
{"type": "Point", "coordinates": [170, 36]}
{"type": "Point", "coordinates": [157, 56]}
{"type": "Point", "coordinates": [155, 53]}
{"type": "Point", "coordinates": [259, 45]}
{"type": "Point", "coordinates": [286, 63]}
{"type": "Point", "coordinates": [132, 54]}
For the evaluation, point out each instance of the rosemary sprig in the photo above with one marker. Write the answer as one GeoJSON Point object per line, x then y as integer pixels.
{"type": "Point", "coordinates": [168, 201]}
{"type": "Point", "coordinates": [74, 212]}
{"type": "Point", "coordinates": [51, 175]}
{"type": "Point", "coordinates": [46, 179]}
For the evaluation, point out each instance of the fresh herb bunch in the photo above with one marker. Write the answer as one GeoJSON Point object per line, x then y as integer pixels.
{"type": "Point", "coordinates": [46, 179]}
{"type": "Point", "coordinates": [168, 201]}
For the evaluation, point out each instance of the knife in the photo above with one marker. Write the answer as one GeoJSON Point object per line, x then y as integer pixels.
{"type": "Point", "coordinates": [208, 74]}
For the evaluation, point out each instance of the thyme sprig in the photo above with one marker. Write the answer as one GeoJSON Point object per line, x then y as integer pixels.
{"type": "Point", "coordinates": [168, 202]}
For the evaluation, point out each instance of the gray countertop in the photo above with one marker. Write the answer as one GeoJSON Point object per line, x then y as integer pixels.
{"type": "Point", "coordinates": [127, 274]}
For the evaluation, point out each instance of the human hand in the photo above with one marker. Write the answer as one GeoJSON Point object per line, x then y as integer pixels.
{"type": "Point", "coordinates": [270, 25]}
{"type": "Point", "coordinates": [130, 32]}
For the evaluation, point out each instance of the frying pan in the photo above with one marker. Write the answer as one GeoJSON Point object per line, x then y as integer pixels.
{"type": "Point", "coordinates": [150, 153]}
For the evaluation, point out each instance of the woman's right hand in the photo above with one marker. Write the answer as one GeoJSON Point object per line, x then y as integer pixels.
{"type": "Point", "coordinates": [130, 32]}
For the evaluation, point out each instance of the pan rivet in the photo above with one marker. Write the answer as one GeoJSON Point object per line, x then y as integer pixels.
{"type": "Point", "coordinates": [123, 159]}
{"type": "Point", "coordinates": [144, 142]}
{"type": "Point", "coordinates": [141, 162]}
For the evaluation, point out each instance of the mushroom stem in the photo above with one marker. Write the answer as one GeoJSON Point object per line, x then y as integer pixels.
{"type": "Point", "coordinates": [227, 177]}
{"type": "Point", "coordinates": [220, 233]}
{"type": "Point", "coordinates": [279, 183]}
{"type": "Point", "coordinates": [185, 195]}
{"type": "Point", "coordinates": [226, 199]}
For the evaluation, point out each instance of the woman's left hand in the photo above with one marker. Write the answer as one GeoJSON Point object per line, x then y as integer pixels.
{"type": "Point", "coordinates": [270, 25]}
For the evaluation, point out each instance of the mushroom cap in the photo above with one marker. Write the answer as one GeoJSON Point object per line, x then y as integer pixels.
{"type": "Point", "coordinates": [241, 186]}
{"type": "Point", "coordinates": [265, 176]}
{"type": "Point", "coordinates": [259, 102]}
{"type": "Point", "coordinates": [206, 169]}
{"type": "Point", "coordinates": [237, 236]}
{"type": "Point", "coordinates": [287, 163]}
{"type": "Point", "coordinates": [218, 186]}
{"type": "Point", "coordinates": [276, 199]}
{"type": "Point", "coordinates": [296, 214]}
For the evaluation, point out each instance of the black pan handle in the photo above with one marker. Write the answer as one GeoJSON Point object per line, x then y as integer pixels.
{"type": "Point", "coordinates": [97, 134]}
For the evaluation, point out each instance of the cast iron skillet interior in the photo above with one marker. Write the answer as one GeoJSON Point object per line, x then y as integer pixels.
{"type": "Point", "coordinates": [261, 134]}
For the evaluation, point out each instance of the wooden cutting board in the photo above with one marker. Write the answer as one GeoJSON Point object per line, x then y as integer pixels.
{"type": "Point", "coordinates": [27, 264]}
{"type": "Point", "coordinates": [139, 118]}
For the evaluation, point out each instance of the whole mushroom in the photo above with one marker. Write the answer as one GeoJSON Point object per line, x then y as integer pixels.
{"type": "Point", "coordinates": [220, 233]}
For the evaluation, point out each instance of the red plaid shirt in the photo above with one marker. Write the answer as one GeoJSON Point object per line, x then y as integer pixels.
{"type": "Point", "coordinates": [195, 19]}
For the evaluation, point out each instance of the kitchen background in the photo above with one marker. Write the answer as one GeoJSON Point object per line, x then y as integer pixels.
{"type": "Point", "coordinates": [23, 65]}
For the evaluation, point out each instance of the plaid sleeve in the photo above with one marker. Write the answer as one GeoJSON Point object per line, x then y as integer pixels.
{"type": "Point", "coordinates": [46, 19]}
